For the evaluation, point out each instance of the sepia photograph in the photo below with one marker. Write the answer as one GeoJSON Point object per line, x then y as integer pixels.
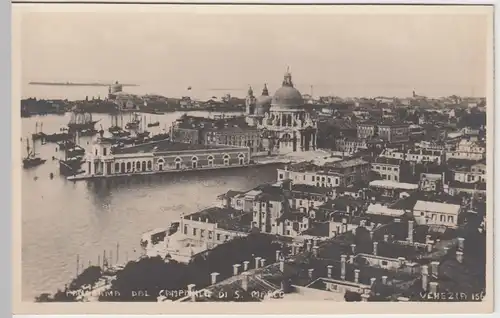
{"type": "Point", "coordinates": [284, 156]}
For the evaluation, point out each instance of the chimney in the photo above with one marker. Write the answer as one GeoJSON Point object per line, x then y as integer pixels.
{"type": "Point", "coordinates": [262, 262]}
{"type": "Point", "coordinates": [315, 242]}
{"type": "Point", "coordinates": [342, 266]}
{"type": "Point", "coordinates": [282, 266]}
{"type": "Point", "coordinates": [214, 277]}
{"type": "Point", "coordinates": [356, 275]}
{"type": "Point", "coordinates": [292, 250]}
{"type": "Point", "coordinates": [351, 259]}
{"type": "Point", "coordinates": [257, 262]}
{"type": "Point", "coordinates": [401, 261]}
{"type": "Point", "coordinates": [410, 231]}
{"type": "Point", "coordinates": [364, 297]}
{"type": "Point", "coordinates": [192, 292]}
{"type": "Point", "coordinates": [309, 245]}
{"type": "Point", "coordinates": [427, 238]}
{"type": "Point", "coordinates": [315, 251]}
{"type": "Point", "coordinates": [375, 245]}
{"type": "Point", "coordinates": [245, 265]}
{"type": "Point", "coordinates": [329, 269]}
{"type": "Point", "coordinates": [386, 237]}
{"type": "Point", "coordinates": [310, 272]}
{"type": "Point", "coordinates": [425, 277]}
{"type": "Point", "coordinates": [429, 246]}
{"type": "Point", "coordinates": [461, 243]}
{"type": "Point", "coordinates": [371, 235]}
{"type": "Point", "coordinates": [372, 281]}
{"type": "Point", "coordinates": [460, 256]}
{"type": "Point", "coordinates": [384, 280]}
{"type": "Point", "coordinates": [244, 281]}
{"type": "Point", "coordinates": [353, 248]}
{"type": "Point", "coordinates": [235, 269]}
{"type": "Point", "coordinates": [278, 254]}
{"type": "Point", "coordinates": [433, 287]}
{"type": "Point", "coordinates": [434, 269]}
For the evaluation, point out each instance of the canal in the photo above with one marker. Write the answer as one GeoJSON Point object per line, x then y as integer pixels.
{"type": "Point", "coordinates": [62, 219]}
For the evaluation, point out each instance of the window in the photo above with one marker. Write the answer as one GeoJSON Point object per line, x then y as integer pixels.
{"type": "Point", "coordinates": [218, 236]}
{"type": "Point", "coordinates": [105, 151]}
{"type": "Point", "coordinates": [202, 233]}
{"type": "Point", "coordinates": [194, 231]}
{"type": "Point", "coordinates": [287, 232]}
{"type": "Point", "coordinates": [281, 176]}
{"type": "Point", "coordinates": [312, 178]}
{"type": "Point", "coordinates": [117, 167]}
{"type": "Point", "coordinates": [384, 263]}
{"type": "Point", "coordinates": [270, 205]}
{"type": "Point", "coordinates": [185, 229]}
{"type": "Point", "coordinates": [210, 235]}
{"type": "Point", "coordinates": [227, 237]}
{"type": "Point", "coordinates": [336, 181]}
{"type": "Point", "coordinates": [450, 219]}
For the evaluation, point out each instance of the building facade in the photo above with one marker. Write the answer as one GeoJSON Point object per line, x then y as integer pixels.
{"type": "Point", "coordinates": [394, 132]}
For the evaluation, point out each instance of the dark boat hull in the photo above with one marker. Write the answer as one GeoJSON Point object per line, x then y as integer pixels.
{"type": "Point", "coordinates": [84, 126]}
{"type": "Point", "coordinates": [154, 124]}
{"type": "Point", "coordinates": [70, 167]}
{"type": "Point", "coordinates": [32, 162]}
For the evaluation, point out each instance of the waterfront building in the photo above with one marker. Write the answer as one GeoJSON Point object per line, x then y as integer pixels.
{"type": "Point", "coordinates": [285, 120]}
{"type": "Point", "coordinates": [331, 174]}
{"type": "Point", "coordinates": [231, 131]}
{"type": "Point", "coordinates": [437, 213]}
{"type": "Point", "coordinates": [414, 155]}
{"type": "Point", "coordinates": [161, 156]}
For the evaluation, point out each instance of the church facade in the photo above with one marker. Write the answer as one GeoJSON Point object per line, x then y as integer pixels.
{"type": "Point", "coordinates": [284, 119]}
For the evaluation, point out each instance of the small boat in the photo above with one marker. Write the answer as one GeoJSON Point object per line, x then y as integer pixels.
{"type": "Point", "coordinates": [38, 134]}
{"type": "Point", "coordinates": [81, 120]}
{"type": "Point", "coordinates": [134, 123]}
{"type": "Point", "coordinates": [120, 133]}
{"type": "Point", "coordinates": [155, 124]}
{"type": "Point", "coordinates": [56, 137]}
{"type": "Point", "coordinates": [31, 159]}
{"type": "Point", "coordinates": [142, 135]}
{"type": "Point", "coordinates": [88, 132]}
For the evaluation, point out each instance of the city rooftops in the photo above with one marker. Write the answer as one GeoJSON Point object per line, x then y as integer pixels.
{"type": "Point", "coordinates": [429, 206]}
{"type": "Point", "coordinates": [226, 218]}
{"type": "Point", "coordinates": [388, 161]}
{"type": "Point", "coordinates": [388, 184]}
{"type": "Point", "coordinates": [166, 146]}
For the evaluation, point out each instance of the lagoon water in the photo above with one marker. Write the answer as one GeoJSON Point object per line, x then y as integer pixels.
{"type": "Point", "coordinates": [62, 219]}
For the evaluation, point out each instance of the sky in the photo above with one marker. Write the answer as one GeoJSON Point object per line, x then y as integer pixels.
{"type": "Point", "coordinates": [348, 55]}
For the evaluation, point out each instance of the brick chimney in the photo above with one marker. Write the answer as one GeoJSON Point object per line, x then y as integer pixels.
{"type": "Point", "coordinates": [245, 265]}
{"type": "Point", "coordinates": [371, 235]}
{"type": "Point", "coordinates": [309, 245]}
{"type": "Point", "coordinates": [356, 275]}
{"type": "Point", "coordinates": [235, 269]}
{"type": "Point", "coordinates": [384, 280]}
{"type": "Point", "coordinates": [342, 266]}
{"type": "Point", "coordinates": [410, 231]}
{"type": "Point", "coordinates": [315, 251]}
{"type": "Point", "coordinates": [461, 241]}
{"type": "Point", "coordinates": [257, 262]}
{"type": "Point", "coordinates": [353, 248]}
{"type": "Point", "coordinates": [214, 277]}
{"type": "Point", "coordinates": [433, 287]}
{"type": "Point", "coordinates": [192, 292]}
{"type": "Point", "coordinates": [434, 269]}
{"type": "Point", "coordinates": [425, 277]}
{"type": "Point", "coordinates": [262, 262]}
{"type": "Point", "coordinates": [310, 272]}
{"type": "Point", "coordinates": [460, 256]}
{"type": "Point", "coordinates": [244, 281]}
{"type": "Point", "coordinates": [375, 245]}
{"type": "Point", "coordinates": [329, 269]}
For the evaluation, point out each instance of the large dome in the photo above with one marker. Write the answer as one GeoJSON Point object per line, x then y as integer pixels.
{"type": "Point", "coordinates": [287, 96]}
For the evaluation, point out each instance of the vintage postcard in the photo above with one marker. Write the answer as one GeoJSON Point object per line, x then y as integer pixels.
{"type": "Point", "coordinates": [252, 158]}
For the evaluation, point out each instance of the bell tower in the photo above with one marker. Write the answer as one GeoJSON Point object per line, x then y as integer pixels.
{"type": "Point", "coordinates": [250, 102]}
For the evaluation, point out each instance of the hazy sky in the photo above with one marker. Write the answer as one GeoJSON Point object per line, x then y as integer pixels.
{"type": "Point", "coordinates": [346, 55]}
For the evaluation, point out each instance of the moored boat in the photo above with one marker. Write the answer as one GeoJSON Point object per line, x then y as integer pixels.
{"type": "Point", "coordinates": [31, 159]}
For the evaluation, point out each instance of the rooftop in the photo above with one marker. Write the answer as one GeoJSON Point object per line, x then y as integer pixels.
{"type": "Point", "coordinates": [393, 185]}
{"type": "Point", "coordinates": [225, 218]}
{"type": "Point", "coordinates": [446, 208]}
{"type": "Point", "coordinates": [165, 146]}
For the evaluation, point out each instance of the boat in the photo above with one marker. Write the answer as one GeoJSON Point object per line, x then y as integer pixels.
{"type": "Point", "coordinates": [38, 134]}
{"type": "Point", "coordinates": [71, 166]}
{"type": "Point", "coordinates": [31, 159]}
{"type": "Point", "coordinates": [66, 144]}
{"type": "Point", "coordinates": [56, 137]}
{"type": "Point", "coordinates": [158, 137]}
{"type": "Point", "coordinates": [153, 124]}
{"type": "Point", "coordinates": [120, 133]}
{"type": "Point", "coordinates": [88, 132]}
{"type": "Point", "coordinates": [81, 120]}
{"type": "Point", "coordinates": [142, 135]}
{"type": "Point", "coordinates": [134, 123]}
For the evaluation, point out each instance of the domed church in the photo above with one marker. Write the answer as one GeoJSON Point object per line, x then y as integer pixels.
{"type": "Point", "coordinates": [284, 119]}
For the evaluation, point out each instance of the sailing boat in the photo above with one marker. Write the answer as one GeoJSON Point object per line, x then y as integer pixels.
{"type": "Point", "coordinates": [73, 160]}
{"type": "Point", "coordinates": [154, 124]}
{"type": "Point", "coordinates": [31, 159]}
{"type": "Point", "coordinates": [38, 134]}
{"type": "Point", "coordinates": [134, 123]}
{"type": "Point", "coordinates": [142, 134]}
